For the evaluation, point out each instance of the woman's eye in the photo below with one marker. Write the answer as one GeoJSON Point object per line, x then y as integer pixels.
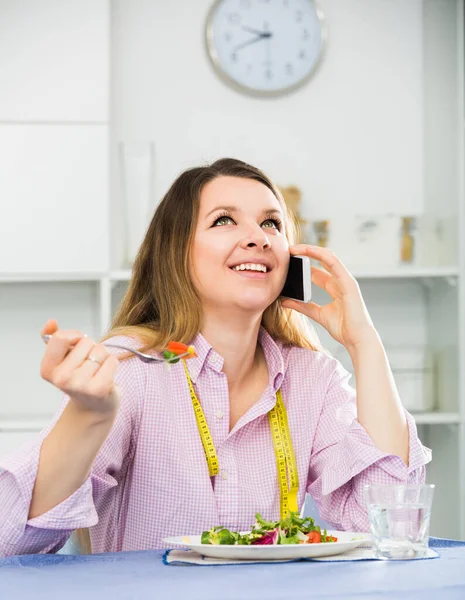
{"type": "Point", "coordinates": [223, 221]}
{"type": "Point", "coordinates": [273, 223]}
{"type": "Point", "coordinates": [226, 220]}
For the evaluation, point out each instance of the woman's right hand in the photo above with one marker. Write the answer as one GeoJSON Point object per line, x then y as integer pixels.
{"type": "Point", "coordinates": [90, 386]}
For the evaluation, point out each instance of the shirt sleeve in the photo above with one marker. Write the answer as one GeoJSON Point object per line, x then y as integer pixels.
{"type": "Point", "coordinates": [344, 458]}
{"type": "Point", "coordinates": [48, 532]}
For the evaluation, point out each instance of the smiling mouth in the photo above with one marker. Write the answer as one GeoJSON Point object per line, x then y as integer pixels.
{"type": "Point", "coordinates": [251, 268]}
{"type": "Point", "coordinates": [251, 274]}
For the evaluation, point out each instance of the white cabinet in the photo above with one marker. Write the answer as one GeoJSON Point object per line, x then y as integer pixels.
{"type": "Point", "coordinates": [24, 308]}
{"type": "Point", "coordinates": [54, 112]}
{"type": "Point", "coordinates": [54, 198]}
{"type": "Point", "coordinates": [54, 58]}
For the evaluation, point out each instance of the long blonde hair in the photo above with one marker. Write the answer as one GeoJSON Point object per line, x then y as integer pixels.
{"type": "Point", "coordinates": [161, 303]}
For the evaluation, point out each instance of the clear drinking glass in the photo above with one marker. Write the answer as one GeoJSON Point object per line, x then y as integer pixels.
{"type": "Point", "coordinates": [399, 519]}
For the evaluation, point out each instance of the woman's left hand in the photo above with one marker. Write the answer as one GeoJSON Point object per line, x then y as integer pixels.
{"type": "Point", "coordinates": [346, 318]}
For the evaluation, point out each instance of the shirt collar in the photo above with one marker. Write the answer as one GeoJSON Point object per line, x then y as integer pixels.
{"type": "Point", "coordinates": [274, 358]}
{"type": "Point", "coordinates": [207, 356]}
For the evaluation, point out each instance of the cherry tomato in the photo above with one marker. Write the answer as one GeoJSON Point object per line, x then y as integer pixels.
{"type": "Point", "coordinates": [178, 348]}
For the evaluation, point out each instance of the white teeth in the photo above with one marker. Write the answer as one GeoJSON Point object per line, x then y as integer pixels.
{"type": "Point", "coordinates": [250, 267]}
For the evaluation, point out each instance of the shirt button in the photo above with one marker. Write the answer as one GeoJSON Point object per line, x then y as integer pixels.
{"type": "Point", "coordinates": [219, 414]}
{"type": "Point", "coordinates": [224, 474]}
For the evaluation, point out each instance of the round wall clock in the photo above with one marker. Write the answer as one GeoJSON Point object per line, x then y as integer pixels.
{"type": "Point", "coordinates": [265, 47]}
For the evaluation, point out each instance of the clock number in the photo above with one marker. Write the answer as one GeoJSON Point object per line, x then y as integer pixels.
{"type": "Point", "coordinates": [299, 16]}
{"type": "Point", "coordinates": [234, 57]}
{"type": "Point", "coordinates": [289, 69]}
{"type": "Point", "coordinates": [234, 18]}
{"type": "Point", "coordinates": [228, 36]}
{"type": "Point", "coordinates": [269, 74]}
{"type": "Point", "coordinates": [302, 54]}
{"type": "Point", "coordinates": [305, 34]}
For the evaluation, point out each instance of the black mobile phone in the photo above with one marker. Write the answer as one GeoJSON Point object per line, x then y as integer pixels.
{"type": "Point", "coordinates": [298, 284]}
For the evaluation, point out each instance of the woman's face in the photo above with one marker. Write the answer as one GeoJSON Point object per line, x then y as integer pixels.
{"type": "Point", "coordinates": [240, 253]}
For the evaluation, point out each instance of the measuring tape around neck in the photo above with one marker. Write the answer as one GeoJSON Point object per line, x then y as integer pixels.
{"type": "Point", "coordinates": [286, 464]}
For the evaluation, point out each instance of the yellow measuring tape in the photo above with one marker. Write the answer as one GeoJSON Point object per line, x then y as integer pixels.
{"type": "Point", "coordinates": [205, 435]}
{"type": "Point", "coordinates": [284, 451]}
{"type": "Point", "coordinates": [285, 456]}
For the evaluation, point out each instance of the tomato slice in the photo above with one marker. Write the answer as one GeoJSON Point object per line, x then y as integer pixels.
{"type": "Point", "coordinates": [314, 537]}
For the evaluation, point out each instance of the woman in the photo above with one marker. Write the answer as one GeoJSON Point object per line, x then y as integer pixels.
{"type": "Point", "coordinates": [124, 456]}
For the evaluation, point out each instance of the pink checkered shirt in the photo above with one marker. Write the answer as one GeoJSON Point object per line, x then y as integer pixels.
{"type": "Point", "coordinates": [150, 478]}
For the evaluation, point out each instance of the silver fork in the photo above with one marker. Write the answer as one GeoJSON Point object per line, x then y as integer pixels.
{"type": "Point", "coordinates": [147, 358]}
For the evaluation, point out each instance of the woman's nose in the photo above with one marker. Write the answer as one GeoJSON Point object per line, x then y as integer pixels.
{"type": "Point", "coordinates": [256, 238]}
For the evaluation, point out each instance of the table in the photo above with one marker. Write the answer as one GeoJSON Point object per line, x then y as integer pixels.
{"type": "Point", "coordinates": [142, 575]}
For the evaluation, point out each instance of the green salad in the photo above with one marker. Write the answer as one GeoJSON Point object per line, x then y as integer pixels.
{"type": "Point", "coordinates": [292, 530]}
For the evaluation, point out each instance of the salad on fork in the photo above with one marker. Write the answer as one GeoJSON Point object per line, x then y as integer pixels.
{"type": "Point", "coordinates": [173, 354]}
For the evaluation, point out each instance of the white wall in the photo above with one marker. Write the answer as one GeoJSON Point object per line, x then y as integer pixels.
{"type": "Point", "coordinates": [52, 54]}
{"type": "Point", "coordinates": [441, 106]}
{"type": "Point", "coordinates": [353, 137]}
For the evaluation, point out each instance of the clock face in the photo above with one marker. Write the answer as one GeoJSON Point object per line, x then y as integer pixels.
{"type": "Point", "coordinates": [265, 47]}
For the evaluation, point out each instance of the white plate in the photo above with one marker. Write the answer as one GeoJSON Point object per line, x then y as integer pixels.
{"type": "Point", "coordinates": [346, 541]}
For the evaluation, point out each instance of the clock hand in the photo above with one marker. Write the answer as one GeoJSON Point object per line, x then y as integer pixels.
{"type": "Point", "coordinates": [268, 58]}
{"type": "Point", "coordinates": [253, 41]}
{"type": "Point", "coordinates": [264, 34]}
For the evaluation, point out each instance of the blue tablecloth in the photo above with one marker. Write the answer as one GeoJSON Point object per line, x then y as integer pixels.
{"type": "Point", "coordinates": [141, 575]}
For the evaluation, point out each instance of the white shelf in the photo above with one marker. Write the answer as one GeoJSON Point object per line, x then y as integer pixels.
{"type": "Point", "coordinates": [30, 424]}
{"type": "Point", "coordinates": [401, 272]}
{"type": "Point", "coordinates": [405, 272]}
{"type": "Point", "coordinates": [45, 277]}
{"type": "Point", "coordinates": [21, 425]}
{"type": "Point", "coordinates": [120, 275]}
{"type": "Point", "coordinates": [437, 418]}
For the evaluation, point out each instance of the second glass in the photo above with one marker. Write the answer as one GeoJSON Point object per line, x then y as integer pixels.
{"type": "Point", "coordinates": [399, 519]}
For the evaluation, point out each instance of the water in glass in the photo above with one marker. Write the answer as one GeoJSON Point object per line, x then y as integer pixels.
{"type": "Point", "coordinates": [399, 520]}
